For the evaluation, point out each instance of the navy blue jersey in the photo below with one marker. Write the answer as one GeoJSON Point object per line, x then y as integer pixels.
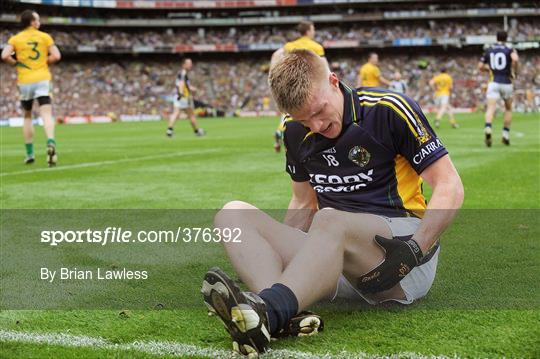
{"type": "Point", "coordinates": [500, 63]}
{"type": "Point", "coordinates": [182, 76]}
{"type": "Point", "coordinates": [373, 166]}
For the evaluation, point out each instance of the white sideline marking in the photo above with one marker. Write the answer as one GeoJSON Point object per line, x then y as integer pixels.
{"type": "Point", "coordinates": [108, 162]}
{"type": "Point", "coordinates": [179, 349]}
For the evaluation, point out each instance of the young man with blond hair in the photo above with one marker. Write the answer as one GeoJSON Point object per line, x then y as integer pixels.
{"type": "Point", "coordinates": [357, 225]}
{"type": "Point", "coordinates": [35, 51]}
{"type": "Point", "coordinates": [306, 41]}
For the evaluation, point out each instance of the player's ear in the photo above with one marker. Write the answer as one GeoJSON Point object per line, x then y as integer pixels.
{"type": "Point", "coordinates": [334, 81]}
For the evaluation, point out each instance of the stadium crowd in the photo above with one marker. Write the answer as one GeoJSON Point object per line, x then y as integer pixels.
{"type": "Point", "coordinates": [136, 87]}
{"type": "Point", "coordinates": [521, 30]}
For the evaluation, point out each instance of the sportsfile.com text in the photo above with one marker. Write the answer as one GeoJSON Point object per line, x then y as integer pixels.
{"type": "Point", "coordinates": [120, 235]}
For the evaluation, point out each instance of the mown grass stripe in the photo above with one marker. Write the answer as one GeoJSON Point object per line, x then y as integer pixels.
{"type": "Point", "coordinates": [160, 348]}
{"type": "Point", "coordinates": [110, 162]}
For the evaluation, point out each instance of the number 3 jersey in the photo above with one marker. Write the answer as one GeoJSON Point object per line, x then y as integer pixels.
{"type": "Point", "coordinates": [32, 49]}
{"type": "Point", "coordinates": [373, 166]}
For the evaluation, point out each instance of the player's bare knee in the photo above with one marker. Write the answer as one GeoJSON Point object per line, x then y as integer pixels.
{"type": "Point", "coordinates": [231, 213]}
{"type": "Point", "coordinates": [237, 205]}
{"type": "Point", "coordinates": [329, 220]}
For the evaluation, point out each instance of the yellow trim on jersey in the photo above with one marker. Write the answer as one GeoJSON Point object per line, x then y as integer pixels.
{"type": "Point", "coordinates": [417, 129]}
{"type": "Point", "coordinates": [404, 102]}
{"type": "Point", "coordinates": [307, 135]}
{"type": "Point", "coordinates": [396, 110]}
{"type": "Point", "coordinates": [409, 187]}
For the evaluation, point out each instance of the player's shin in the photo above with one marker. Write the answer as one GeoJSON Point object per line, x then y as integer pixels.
{"type": "Point", "coordinates": [254, 259]}
{"type": "Point", "coordinates": [48, 122]}
{"type": "Point", "coordinates": [314, 272]}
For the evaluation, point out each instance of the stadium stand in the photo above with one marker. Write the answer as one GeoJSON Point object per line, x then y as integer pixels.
{"type": "Point", "coordinates": [105, 38]}
{"type": "Point", "coordinates": [116, 63]}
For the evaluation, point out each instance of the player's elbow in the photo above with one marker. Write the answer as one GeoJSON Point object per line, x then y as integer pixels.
{"type": "Point", "coordinates": [458, 191]}
{"type": "Point", "coordinates": [56, 57]}
{"type": "Point", "coordinates": [5, 55]}
{"type": "Point", "coordinates": [305, 202]}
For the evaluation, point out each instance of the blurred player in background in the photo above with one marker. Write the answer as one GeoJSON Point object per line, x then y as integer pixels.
{"type": "Point", "coordinates": [184, 99]}
{"type": "Point", "coordinates": [442, 85]}
{"type": "Point", "coordinates": [502, 63]}
{"type": "Point", "coordinates": [397, 84]}
{"type": "Point", "coordinates": [304, 42]}
{"type": "Point", "coordinates": [370, 75]}
{"type": "Point", "coordinates": [34, 52]}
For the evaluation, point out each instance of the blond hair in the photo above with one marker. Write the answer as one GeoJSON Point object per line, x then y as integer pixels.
{"type": "Point", "coordinates": [292, 77]}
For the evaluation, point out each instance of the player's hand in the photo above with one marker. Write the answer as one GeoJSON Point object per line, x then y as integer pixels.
{"type": "Point", "coordinates": [402, 255]}
{"type": "Point", "coordinates": [179, 97]}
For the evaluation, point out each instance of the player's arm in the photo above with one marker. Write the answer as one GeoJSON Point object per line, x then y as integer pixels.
{"type": "Point", "coordinates": [302, 206]}
{"type": "Point", "coordinates": [432, 84]}
{"type": "Point", "coordinates": [408, 252]}
{"type": "Point", "coordinates": [384, 81]}
{"type": "Point", "coordinates": [446, 199]}
{"type": "Point", "coordinates": [515, 61]}
{"type": "Point", "coordinates": [483, 67]}
{"type": "Point", "coordinates": [415, 140]}
{"type": "Point", "coordinates": [483, 63]}
{"type": "Point", "coordinates": [359, 80]}
{"type": "Point", "coordinates": [54, 55]}
{"type": "Point", "coordinates": [431, 161]}
{"type": "Point", "coordinates": [7, 55]}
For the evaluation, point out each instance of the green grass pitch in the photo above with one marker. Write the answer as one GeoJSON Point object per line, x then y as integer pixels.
{"type": "Point", "coordinates": [484, 302]}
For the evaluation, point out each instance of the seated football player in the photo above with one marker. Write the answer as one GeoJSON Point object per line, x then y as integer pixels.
{"type": "Point", "coordinates": [357, 226]}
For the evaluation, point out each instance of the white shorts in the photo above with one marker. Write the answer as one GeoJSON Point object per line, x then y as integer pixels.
{"type": "Point", "coordinates": [497, 91]}
{"type": "Point", "coordinates": [441, 100]}
{"type": "Point", "coordinates": [35, 90]}
{"type": "Point", "coordinates": [415, 285]}
{"type": "Point", "coordinates": [183, 103]}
